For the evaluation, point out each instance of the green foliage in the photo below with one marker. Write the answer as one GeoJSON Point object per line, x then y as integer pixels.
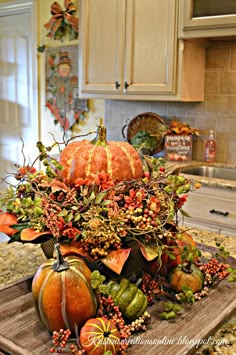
{"type": "Point", "coordinates": [222, 252]}
{"type": "Point", "coordinates": [143, 140]}
{"type": "Point", "coordinates": [187, 296]}
{"type": "Point", "coordinates": [171, 310]}
{"type": "Point", "coordinates": [96, 280]}
{"type": "Point", "coordinates": [232, 275]}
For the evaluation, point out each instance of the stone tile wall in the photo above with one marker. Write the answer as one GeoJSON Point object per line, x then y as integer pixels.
{"type": "Point", "coordinates": [217, 112]}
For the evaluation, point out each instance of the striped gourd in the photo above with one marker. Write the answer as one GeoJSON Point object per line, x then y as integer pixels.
{"type": "Point", "coordinates": [62, 294]}
{"type": "Point", "coordinates": [99, 335]}
{"type": "Point", "coordinates": [83, 159]}
{"type": "Point", "coordinates": [130, 299]}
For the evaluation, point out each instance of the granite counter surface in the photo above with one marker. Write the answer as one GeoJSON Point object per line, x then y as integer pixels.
{"type": "Point", "coordinates": [19, 260]}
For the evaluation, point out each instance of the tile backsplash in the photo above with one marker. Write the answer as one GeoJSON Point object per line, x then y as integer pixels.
{"type": "Point", "coordinates": [217, 112]}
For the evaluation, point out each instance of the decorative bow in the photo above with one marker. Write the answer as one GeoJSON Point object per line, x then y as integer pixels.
{"type": "Point", "coordinates": [61, 19]}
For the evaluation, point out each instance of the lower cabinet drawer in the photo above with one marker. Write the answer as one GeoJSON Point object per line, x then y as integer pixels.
{"type": "Point", "coordinates": [216, 206]}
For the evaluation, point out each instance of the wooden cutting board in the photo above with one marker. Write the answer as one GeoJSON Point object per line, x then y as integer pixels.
{"type": "Point", "coordinates": [21, 333]}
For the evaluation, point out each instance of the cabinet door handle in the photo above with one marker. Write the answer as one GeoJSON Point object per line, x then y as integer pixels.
{"type": "Point", "coordinates": [219, 212]}
{"type": "Point", "coordinates": [117, 85]}
{"type": "Point", "coordinates": [126, 85]}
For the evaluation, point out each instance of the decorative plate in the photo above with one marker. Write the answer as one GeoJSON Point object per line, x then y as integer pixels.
{"type": "Point", "coordinates": [148, 122]}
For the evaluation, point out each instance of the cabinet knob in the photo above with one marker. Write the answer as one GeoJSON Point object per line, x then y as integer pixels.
{"type": "Point", "coordinates": [126, 85]}
{"type": "Point", "coordinates": [117, 85]}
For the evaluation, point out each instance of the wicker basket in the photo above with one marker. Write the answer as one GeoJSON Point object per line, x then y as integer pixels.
{"type": "Point", "coordinates": [150, 122]}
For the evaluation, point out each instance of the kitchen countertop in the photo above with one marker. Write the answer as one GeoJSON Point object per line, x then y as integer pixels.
{"type": "Point", "coordinates": [19, 260]}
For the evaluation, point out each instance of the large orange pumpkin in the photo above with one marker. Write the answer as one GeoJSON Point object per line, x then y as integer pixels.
{"type": "Point", "coordinates": [62, 294]}
{"type": "Point", "coordinates": [82, 159]}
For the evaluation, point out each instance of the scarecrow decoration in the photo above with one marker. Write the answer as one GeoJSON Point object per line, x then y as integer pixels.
{"type": "Point", "coordinates": [62, 87]}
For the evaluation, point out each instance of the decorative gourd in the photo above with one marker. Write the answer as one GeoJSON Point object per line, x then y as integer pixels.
{"type": "Point", "coordinates": [186, 275]}
{"type": "Point", "coordinates": [62, 294]}
{"type": "Point", "coordinates": [99, 335]}
{"type": "Point", "coordinates": [84, 158]}
{"type": "Point", "coordinates": [130, 299]}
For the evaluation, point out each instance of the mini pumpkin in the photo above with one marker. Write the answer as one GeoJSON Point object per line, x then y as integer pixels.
{"type": "Point", "coordinates": [99, 335]}
{"type": "Point", "coordinates": [62, 294]}
{"type": "Point", "coordinates": [83, 159]}
{"type": "Point", "coordinates": [130, 299]}
{"type": "Point", "coordinates": [186, 275]}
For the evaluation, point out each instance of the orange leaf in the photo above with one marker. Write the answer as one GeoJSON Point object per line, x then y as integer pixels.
{"type": "Point", "coordinates": [29, 234]}
{"type": "Point", "coordinates": [4, 228]}
{"type": "Point", "coordinates": [149, 253]}
{"type": "Point", "coordinates": [116, 259]}
{"type": "Point", "coordinates": [67, 250]}
{"type": "Point", "coordinates": [6, 220]}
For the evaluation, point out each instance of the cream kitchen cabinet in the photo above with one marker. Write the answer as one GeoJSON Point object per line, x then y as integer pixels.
{"type": "Point", "coordinates": [207, 18]}
{"type": "Point", "coordinates": [129, 50]}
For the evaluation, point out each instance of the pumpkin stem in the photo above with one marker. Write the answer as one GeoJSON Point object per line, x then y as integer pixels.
{"type": "Point", "coordinates": [101, 135]}
{"type": "Point", "coordinates": [106, 334]}
{"type": "Point", "coordinates": [188, 267]}
{"type": "Point", "coordinates": [61, 264]}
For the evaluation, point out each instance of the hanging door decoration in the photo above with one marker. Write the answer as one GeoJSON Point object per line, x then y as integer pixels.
{"type": "Point", "coordinates": [62, 86]}
{"type": "Point", "coordinates": [62, 21]}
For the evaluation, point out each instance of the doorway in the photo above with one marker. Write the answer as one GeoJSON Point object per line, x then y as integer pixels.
{"type": "Point", "coordinates": [19, 130]}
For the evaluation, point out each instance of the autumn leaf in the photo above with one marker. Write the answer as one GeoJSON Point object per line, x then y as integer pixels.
{"type": "Point", "coordinates": [30, 235]}
{"type": "Point", "coordinates": [6, 221]}
{"type": "Point", "coordinates": [149, 253]}
{"type": "Point", "coordinates": [116, 259]}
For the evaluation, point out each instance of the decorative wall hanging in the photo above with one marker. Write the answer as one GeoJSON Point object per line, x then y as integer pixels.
{"type": "Point", "coordinates": [62, 21]}
{"type": "Point", "coordinates": [62, 86]}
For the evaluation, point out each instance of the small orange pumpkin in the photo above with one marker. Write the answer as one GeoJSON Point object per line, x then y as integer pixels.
{"type": "Point", "coordinates": [99, 335]}
{"type": "Point", "coordinates": [62, 294]}
{"type": "Point", "coordinates": [83, 159]}
{"type": "Point", "coordinates": [186, 275]}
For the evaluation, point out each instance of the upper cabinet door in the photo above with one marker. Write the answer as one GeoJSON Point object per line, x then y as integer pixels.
{"type": "Point", "coordinates": [207, 18]}
{"type": "Point", "coordinates": [127, 46]}
{"type": "Point", "coordinates": [102, 26]}
{"type": "Point", "coordinates": [151, 41]}
{"type": "Point", "coordinates": [129, 50]}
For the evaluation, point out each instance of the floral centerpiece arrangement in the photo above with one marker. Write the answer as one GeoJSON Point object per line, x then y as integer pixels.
{"type": "Point", "coordinates": [113, 219]}
{"type": "Point", "coordinates": [183, 128]}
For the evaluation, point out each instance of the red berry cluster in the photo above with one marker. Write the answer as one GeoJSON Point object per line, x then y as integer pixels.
{"type": "Point", "coordinates": [112, 312]}
{"type": "Point", "coordinates": [149, 287]}
{"type": "Point", "coordinates": [140, 210]}
{"type": "Point", "coordinates": [215, 269]}
{"type": "Point", "coordinates": [60, 340]}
